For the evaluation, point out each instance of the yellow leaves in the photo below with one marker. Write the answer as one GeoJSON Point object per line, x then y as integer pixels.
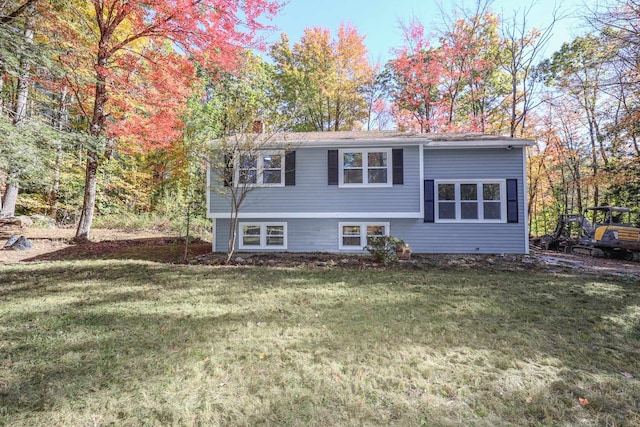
{"type": "Point", "coordinates": [329, 72]}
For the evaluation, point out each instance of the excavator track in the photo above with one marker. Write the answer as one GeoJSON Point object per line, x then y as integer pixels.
{"type": "Point", "coordinates": [600, 253]}
{"type": "Point", "coordinates": [586, 250]}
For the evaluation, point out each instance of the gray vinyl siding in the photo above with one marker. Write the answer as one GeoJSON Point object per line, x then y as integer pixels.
{"type": "Point", "coordinates": [481, 238]}
{"type": "Point", "coordinates": [322, 235]}
{"type": "Point", "coordinates": [312, 193]}
{"type": "Point", "coordinates": [303, 235]}
{"type": "Point", "coordinates": [496, 163]}
{"type": "Point", "coordinates": [478, 237]}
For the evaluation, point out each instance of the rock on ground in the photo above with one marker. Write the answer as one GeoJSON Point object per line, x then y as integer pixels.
{"type": "Point", "coordinates": [20, 244]}
{"type": "Point", "coordinates": [12, 239]}
{"type": "Point", "coordinates": [20, 221]}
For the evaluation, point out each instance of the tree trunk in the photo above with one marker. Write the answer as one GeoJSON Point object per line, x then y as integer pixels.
{"type": "Point", "coordinates": [90, 186]}
{"type": "Point", "coordinates": [452, 102]}
{"type": "Point", "coordinates": [634, 139]}
{"type": "Point", "coordinates": [97, 126]}
{"type": "Point", "coordinates": [24, 79]}
{"type": "Point", "coordinates": [336, 126]}
{"type": "Point", "coordinates": [10, 199]}
{"type": "Point", "coordinates": [594, 166]}
{"type": "Point", "coordinates": [11, 195]}
{"type": "Point", "coordinates": [233, 237]}
{"type": "Point", "coordinates": [328, 116]}
{"type": "Point", "coordinates": [55, 188]}
{"type": "Point", "coordinates": [514, 102]}
{"type": "Point", "coordinates": [233, 225]}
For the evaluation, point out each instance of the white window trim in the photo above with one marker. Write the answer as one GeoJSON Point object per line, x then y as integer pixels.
{"type": "Point", "coordinates": [363, 233]}
{"type": "Point", "coordinates": [263, 235]}
{"type": "Point", "coordinates": [365, 159]}
{"type": "Point", "coordinates": [457, 182]}
{"type": "Point", "coordinates": [260, 172]}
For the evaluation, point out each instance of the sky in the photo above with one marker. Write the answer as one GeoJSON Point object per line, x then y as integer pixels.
{"type": "Point", "coordinates": [378, 19]}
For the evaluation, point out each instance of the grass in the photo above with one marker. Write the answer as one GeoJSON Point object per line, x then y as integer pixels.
{"type": "Point", "coordinates": [132, 343]}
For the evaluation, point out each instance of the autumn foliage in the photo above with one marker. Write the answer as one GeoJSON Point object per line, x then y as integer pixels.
{"type": "Point", "coordinates": [320, 78]}
{"type": "Point", "coordinates": [449, 84]}
{"type": "Point", "coordinates": [126, 86]}
{"type": "Point", "coordinates": [130, 65]}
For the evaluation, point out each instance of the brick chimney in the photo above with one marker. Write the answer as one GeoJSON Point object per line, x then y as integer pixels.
{"type": "Point", "coordinates": [258, 127]}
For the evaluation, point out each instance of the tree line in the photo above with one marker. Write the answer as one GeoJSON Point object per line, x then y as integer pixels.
{"type": "Point", "coordinates": [108, 105]}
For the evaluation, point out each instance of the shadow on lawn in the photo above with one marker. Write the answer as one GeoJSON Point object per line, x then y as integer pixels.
{"type": "Point", "coordinates": [108, 339]}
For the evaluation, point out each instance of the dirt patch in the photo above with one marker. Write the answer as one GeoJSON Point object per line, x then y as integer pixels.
{"type": "Point", "coordinates": [587, 264]}
{"type": "Point", "coordinates": [54, 244]}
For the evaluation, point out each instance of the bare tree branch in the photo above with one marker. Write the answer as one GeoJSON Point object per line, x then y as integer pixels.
{"type": "Point", "coordinates": [5, 19]}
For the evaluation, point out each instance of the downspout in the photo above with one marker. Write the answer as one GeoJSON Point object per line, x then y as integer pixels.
{"type": "Point", "coordinates": [209, 213]}
{"type": "Point", "coordinates": [525, 192]}
{"type": "Point", "coordinates": [421, 174]}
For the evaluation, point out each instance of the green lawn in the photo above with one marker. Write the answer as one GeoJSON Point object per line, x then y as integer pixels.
{"type": "Point", "coordinates": [132, 343]}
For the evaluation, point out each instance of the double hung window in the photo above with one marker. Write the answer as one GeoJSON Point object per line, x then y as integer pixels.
{"type": "Point", "coordinates": [263, 235]}
{"type": "Point", "coordinates": [262, 168]}
{"type": "Point", "coordinates": [353, 236]}
{"type": "Point", "coordinates": [365, 167]}
{"type": "Point", "coordinates": [467, 201]}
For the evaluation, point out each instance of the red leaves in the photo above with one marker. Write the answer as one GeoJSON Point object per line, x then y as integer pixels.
{"type": "Point", "coordinates": [443, 88]}
{"type": "Point", "coordinates": [143, 52]}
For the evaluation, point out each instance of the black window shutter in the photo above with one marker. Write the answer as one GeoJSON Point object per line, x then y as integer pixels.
{"type": "Point", "coordinates": [512, 200]}
{"type": "Point", "coordinates": [398, 166]}
{"type": "Point", "coordinates": [429, 201]}
{"type": "Point", "coordinates": [332, 167]}
{"type": "Point", "coordinates": [227, 174]}
{"type": "Point", "coordinates": [290, 168]}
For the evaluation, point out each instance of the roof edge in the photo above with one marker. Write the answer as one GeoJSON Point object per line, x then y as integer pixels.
{"type": "Point", "coordinates": [430, 140]}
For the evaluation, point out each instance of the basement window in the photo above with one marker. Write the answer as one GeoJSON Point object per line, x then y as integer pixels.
{"type": "Point", "coordinates": [263, 235]}
{"type": "Point", "coordinates": [353, 236]}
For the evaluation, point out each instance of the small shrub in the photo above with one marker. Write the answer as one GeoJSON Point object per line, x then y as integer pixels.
{"type": "Point", "coordinates": [41, 221]}
{"type": "Point", "coordinates": [200, 227]}
{"type": "Point", "coordinates": [383, 248]}
{"type": "Point", "coordinates": [32, 203]}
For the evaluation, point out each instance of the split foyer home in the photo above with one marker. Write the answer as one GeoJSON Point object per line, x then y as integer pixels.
{"type": "Point", "coordinates": [329, 191]}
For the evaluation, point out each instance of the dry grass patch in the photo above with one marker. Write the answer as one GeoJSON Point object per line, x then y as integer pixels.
{"type": "Point", "coordinates": [138, 343]}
